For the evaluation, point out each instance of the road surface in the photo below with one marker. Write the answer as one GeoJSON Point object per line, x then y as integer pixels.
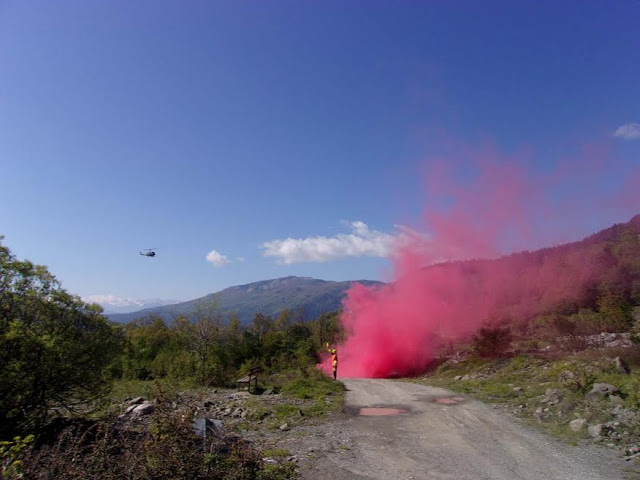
{"type": "Point", "coordinates": [454, 441]}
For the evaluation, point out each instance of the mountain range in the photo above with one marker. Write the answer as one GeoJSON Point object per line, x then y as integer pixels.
{"type": "Point", "coordinates": [307, 297]}
{"type": "Point", "coordinates": [608, 259]}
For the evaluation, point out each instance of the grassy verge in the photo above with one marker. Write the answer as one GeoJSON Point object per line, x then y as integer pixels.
{"type": "Point", "coordinates": [553, 392]}
{"type": "Point", "coordinates": [305, 397]}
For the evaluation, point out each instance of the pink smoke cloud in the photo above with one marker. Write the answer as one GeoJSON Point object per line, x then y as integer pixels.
{"type": "Point", "coordinates": [481, 204]}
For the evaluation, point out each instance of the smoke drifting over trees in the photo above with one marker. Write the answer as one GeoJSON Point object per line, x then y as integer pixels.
{"type": "Point", "coordinates": [456, 278]}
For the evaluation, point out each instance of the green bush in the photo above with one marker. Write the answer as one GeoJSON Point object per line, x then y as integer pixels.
{"type": "Point", "coordinates": [166, 449]}
{"type": "Point", "coordinates": [54, 348]}
{"type": "Point", "coordinates": [492, 342]}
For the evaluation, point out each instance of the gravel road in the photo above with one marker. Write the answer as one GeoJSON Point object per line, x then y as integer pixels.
{"type": "Point", "coordinates": [457, 441]}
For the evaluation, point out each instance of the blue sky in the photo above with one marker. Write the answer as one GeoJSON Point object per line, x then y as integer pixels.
{"type": "Point", "coordinates": [211, 125]}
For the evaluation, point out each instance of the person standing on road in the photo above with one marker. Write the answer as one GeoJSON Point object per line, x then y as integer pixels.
{"type": "Point", "coordinates": [334, 360]}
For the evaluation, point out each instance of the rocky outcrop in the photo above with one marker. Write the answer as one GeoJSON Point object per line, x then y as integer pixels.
{"type": "Point", "coordinates": [601, 390]}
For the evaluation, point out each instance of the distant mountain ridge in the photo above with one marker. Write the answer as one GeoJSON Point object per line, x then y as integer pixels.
{"type": "Point", "coordinates": [310, 296]}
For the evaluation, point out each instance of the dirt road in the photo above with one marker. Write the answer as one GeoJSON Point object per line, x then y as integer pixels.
{"type": "Point", "coordinates": [447, 440]}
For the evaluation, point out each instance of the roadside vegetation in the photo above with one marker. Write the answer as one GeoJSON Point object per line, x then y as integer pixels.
{"type": "Point", "coordinates": [583, 387]}
{"type": "Point", "coordinates": [81, 397]}
{"type": "Point", "coordinates": [67, 375]}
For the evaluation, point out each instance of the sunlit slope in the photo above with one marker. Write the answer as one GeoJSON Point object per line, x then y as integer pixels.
{"type": "Point", "coordinates": [307, 297]}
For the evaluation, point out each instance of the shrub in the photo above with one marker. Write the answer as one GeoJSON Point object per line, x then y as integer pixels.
{"type": "Point", "coordinates": [54, 347]}
{"type": "Point", "coordinates": [165, 449]}
{"type": "Point", "coordinates": [492, 342]}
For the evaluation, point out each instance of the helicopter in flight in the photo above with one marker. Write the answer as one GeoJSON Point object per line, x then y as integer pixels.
{"type": "Point", "coordinates": [148, 252]}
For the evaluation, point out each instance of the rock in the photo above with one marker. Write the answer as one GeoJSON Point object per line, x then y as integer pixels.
{"type": "Point", "coordinates": [268, 391]}
{"type": "Point", "coordinates": [552, 396]}
{"type": "Point", "coordinates": [577, 424]}
{"type": "Point", "coordinates": [209, 404]}
{"type": "Point", "coordinates": [144, 409]}
{"type": "Point", "coordinates": [237, 412]}
{"type": "Point", "coordinates": [621, 366]}
{"type": "Point", "coordinates": [517, 389]}
{"type": "Point", "coordinates": [595, 430]}
{"type": "Point", "coordinates": [615, 399]}
{"type": "Point", "coordinates": [130, 408]}
{"type": "Point", "coordinates": [458, 377]}
{"type": "Point", "coordinates": [244, 414]}
{"type": "Point", "coordinates": [566, 376]}
{"type": "Point", "coordinates": [624, 415]}
{"type": "Point", "coordinates": [601, 390]}
{"type": "Point", "coordinates": [284, 427]}
{"type": "Point", "coordinates": [466, 377]}
{"type": "Point", "coordinates": [136, 401]}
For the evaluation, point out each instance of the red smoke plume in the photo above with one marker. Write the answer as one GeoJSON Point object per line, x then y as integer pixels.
{"type": "Point", "coordinates": [445, 287]}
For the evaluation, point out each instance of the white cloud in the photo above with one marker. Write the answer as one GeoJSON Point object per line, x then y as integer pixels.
{"type": "Point", "coordinates": [217, 259]}
{"type": "Point", "coordinates": [113, 300]}
{"type": "Point", "coordinates": [629, 131]}
{"type": "Point", "coordinates": [360, 242]}
{"type": "Point", "coordinates": [113, 304]}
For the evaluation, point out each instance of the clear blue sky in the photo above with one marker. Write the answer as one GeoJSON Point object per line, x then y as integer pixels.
{"type": "Point", "coordinates": [222, 125]}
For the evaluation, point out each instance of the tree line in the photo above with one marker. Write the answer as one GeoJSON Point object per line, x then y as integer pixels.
{"type": "Point", "coordinates": [212, 350]}
{"type": "Point", "coordinates": [59, 354]}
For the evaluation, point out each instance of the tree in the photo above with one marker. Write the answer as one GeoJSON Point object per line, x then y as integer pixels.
{"type": "Point", "coordinates": [492, 341]}
{"type": "Point", "coordinates": [202, 338]}
{"type": "Point", "coordinates": [54, 348]}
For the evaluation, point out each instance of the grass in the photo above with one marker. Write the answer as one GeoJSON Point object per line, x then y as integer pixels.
{"type": "Point", "coordinates": [311, 395]}
{"type": "Point", "coordinates": [276, 452]}
{"type": "Point", "coordinates": [148, 389]}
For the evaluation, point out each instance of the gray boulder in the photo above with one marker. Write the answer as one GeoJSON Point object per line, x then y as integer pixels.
{"type": "Point", "coordinates": [552, 396]}
{"type": "Point", "coordinates": [595, 431]}
{"type": "Point", "coordinates": [577, 424]}
{"type": "Point", "coordinates": [566, 376]}
{"type": "Point", "coordinates": [601, 390]}
{"type": "Point", "coordinates": [615, 399]}
{"type": "Point", "coordinates": [621, 366]}
{"type": "Point", "coordinates": [145, 408]}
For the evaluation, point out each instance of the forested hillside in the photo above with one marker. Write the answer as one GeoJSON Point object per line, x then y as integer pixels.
{"type": "Point", "coordinates": [306, 298]}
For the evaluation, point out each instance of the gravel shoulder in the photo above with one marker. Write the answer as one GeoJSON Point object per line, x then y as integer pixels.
{"type": "Point", "coordinates": [462, 440]}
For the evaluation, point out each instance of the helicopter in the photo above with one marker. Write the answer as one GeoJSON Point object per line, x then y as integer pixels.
{"type": "Point", "coordinates": [149, 252]}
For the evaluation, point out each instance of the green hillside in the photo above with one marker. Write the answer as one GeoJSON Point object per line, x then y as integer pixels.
{"type": "Point", "coordinates": [306, 297]}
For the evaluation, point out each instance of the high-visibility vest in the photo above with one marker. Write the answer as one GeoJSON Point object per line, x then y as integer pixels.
{"type": "Point", "coordinates": [334, 361]}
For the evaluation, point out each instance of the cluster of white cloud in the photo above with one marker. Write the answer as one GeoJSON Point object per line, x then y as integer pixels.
{"type": "Point", "coordinates": [217, 259]}
{"type": "Point", "coordinates": [113, 300]}
{"type": "Point", "coordinates": [360, 242]}
{"type": "Point", "coordinates": [113, 304]}
{"type": "Point", "coordinates": [628, 131]}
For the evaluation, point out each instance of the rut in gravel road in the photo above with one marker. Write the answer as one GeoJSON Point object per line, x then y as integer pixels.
{"type": "Point", "coordinates": [445, 436]}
